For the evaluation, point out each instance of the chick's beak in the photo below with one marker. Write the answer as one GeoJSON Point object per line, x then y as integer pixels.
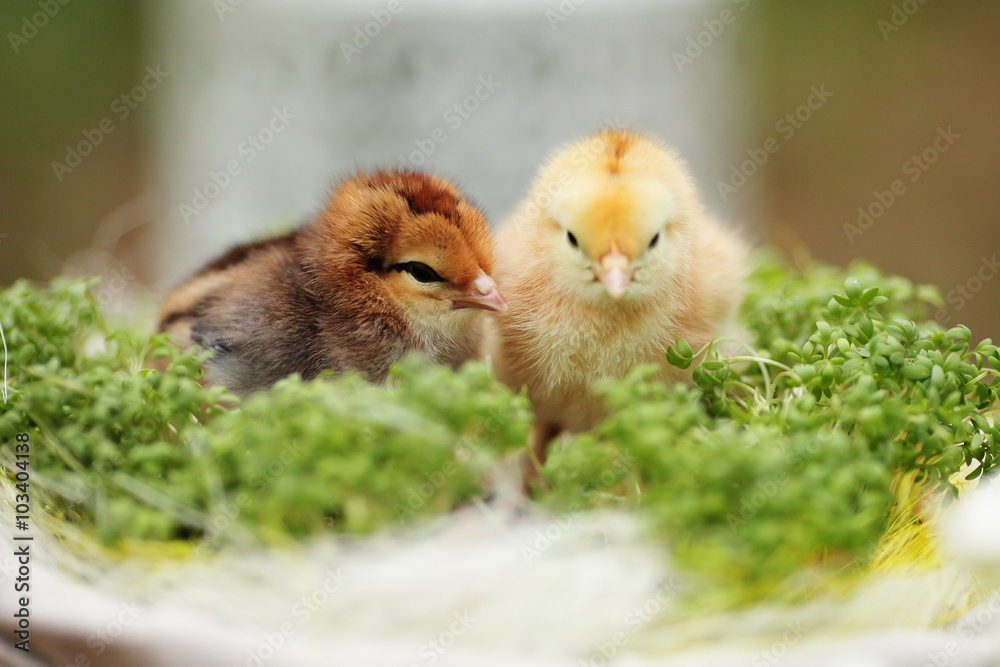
{"type": "Point", "coordinates": [615, 271]}
{"type": "Point", "coordinates": [483, 293]}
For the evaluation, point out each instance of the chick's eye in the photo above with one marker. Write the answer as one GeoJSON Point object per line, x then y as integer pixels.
{"type": "Point", "coordinates": [572, 240]}
{"type": "Point", "coordinates": [420, 272]}
{"type": "Point", "coordinates": [654, 240]}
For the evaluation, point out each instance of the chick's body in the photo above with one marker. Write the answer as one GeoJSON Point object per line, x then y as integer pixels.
{"type": "Point", "coordinates": [605, 264]}
{"type": "Point", "coordinates": [397, 262]}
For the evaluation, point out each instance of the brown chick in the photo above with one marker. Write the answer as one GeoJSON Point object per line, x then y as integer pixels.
{"type": "Point", "coordinates": [607, 262]}
{"type": "Point", "coordinates": [397, 262]}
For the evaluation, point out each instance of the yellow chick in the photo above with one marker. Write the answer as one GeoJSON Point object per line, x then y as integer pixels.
{"type": "Point", "coordinates": [607, 262]}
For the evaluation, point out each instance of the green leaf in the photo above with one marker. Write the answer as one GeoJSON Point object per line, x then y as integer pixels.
{"type": "Point", "coordinates": [960, 332]}
{"type": "Point", "coordinates": [675, 359]}
{"type": "Point", "coordinates": [843, 300]}
{"type": "Point", "coordinates": [853, 289]}
{"type": "Point", "coordinates": [916, 372]}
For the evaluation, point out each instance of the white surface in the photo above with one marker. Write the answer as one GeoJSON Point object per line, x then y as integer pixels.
{"type": "Point", "coordinates": [391, 596]}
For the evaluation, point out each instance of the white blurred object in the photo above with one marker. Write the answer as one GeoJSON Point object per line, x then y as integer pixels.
{"type": "Point", "coordinates": [972, 529]}
{"type": "Point", "coordinates": [479, 588]}
{"type": "Point", "coordinates": [279, 92]}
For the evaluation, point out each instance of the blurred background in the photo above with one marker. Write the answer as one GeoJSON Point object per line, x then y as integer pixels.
{"type": "Point", "coordinates": [138, 139]}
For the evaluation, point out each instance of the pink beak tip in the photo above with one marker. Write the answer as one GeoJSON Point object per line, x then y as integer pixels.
{"type": "Point", "coordinates": [484, 295]}
{"type": "Point", "coordinates": [615, 273]}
